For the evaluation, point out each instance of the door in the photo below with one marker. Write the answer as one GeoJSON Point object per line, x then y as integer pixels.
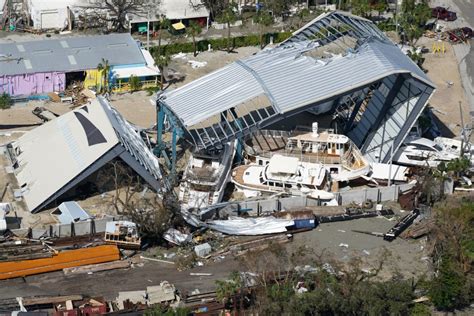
{"type": "Point", "coordinates": [50, 19]}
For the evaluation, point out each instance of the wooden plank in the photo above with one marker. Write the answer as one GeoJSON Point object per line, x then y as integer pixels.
{"type": "Point", "coordinates": [43, 300]}
{"type": "Point", "coordinates": [97, 267]}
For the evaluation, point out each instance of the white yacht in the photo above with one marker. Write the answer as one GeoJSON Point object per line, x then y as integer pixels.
{"type": "Point", "coordinates": [418, 151]}
{"type": "Point", "coordinates": [280, 174]}
{"type": "Point", "coordinates": [205, 177]}
{"type": "Point", "coordinates": [335, 152]}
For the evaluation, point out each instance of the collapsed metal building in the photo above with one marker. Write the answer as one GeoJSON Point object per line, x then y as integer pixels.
{"type": "Point", "coordinates": [338, 63]}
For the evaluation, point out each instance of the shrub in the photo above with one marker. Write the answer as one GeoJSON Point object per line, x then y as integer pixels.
{"type": "Point", "coordinates": [135, 83]}
{"type": "Point", "coordinates": [221, 43]}
{"type": "Point", "coordinates": [5, 101]}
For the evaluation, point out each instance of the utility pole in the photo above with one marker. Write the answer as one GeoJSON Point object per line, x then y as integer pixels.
{"type": "Point", "coordinates": [462, 130]}
{"type": "Point", "coordinates": [389, 183]}
{"type": "Point", "coordinates": [148, 30]}
{"type": "Point", "coordinates": [396, 17]}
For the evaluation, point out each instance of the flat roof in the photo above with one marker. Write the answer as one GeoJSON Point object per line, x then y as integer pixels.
{"type": "Point", "coordinates": [69, 54]}
{"type": "Point", "coordinates": [283, 164]}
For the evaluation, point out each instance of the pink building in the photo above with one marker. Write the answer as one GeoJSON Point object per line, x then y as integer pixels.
{"type": "Point", "coordinates": [51, 65]}
{"type": "Point", "coordinates": [36, 83]}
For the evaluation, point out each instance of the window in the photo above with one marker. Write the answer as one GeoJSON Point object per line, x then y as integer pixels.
{"type": "Point", "coordinates": [418, 158]}
{"type": "Point", "coordinates": [423, 147]}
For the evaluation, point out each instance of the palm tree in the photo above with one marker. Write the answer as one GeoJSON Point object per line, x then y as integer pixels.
{"type": "Point", "coordinates": [104, 67]}
{"type": "Point", "coordinates": [162, 61]}
{"type": "Point", "coordinates": [194, 29]}
{"type": "Point", "coordinates": [164, 25]}
{"type": "Point", "coordinates": [228, 16]}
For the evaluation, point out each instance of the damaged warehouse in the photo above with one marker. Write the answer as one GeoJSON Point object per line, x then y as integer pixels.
{"type": "Point", "coordinates": [74, 146]}
{"type": "Point", "coordinates": [338, 63]}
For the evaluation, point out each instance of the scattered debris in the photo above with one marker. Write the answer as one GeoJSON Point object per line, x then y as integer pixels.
{"type": "Point", "coordinates": [156, 260]}
{"type": "Point", "coordinates": [200, 274]}
{"type": "Point", "coordinates": [197, 64]}
{"type": "Point", "coordinates": [202, 250]}
{"type": "Point", "coordinates": [419, 229]}
{"type": "Point", "coordinates": [403, 224]}
{"type": "Point", "coordinates": [176, 237]}
{"type": "Point", "coordinates": [124, 234]}
{"type": "Point", "coordinates": [165, 292]}
{"type": "Point", "coordinates": [92, 268]}
{"type": "Point", "coordinates": [44, 114]}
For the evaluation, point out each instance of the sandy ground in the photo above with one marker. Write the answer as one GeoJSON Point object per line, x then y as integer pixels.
{"type": "Point", "coordinates": [443, 71]}
{"type": "Point", "coordinates": [337, 241]}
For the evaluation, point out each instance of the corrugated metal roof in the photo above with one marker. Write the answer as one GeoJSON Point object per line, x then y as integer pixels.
{"type": "Point", "coordinates": [72, 212]}
{"type": "Point", "coordinates": [293, 80]}
{"type": "Point", "coordinates": [55, 154]}
{"type": "Point", "coordinates": [68, 54]}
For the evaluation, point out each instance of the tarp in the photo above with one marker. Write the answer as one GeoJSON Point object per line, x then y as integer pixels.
{"type": "Point", "coordinates": [251, 226]}
{"type": "Point", "coordinates": [178, 26]}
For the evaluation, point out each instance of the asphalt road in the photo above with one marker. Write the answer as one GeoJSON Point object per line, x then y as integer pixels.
{"type": "Point", "coordinates": [466, 9]}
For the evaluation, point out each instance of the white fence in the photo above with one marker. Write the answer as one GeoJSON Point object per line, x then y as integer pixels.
{"type": "Point", "coordinates": [380, 194]}
{"type": "Point", "coordinates": [67, 230]}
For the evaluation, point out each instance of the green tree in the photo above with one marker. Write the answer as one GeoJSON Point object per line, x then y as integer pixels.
{"type": "Point", "coordinates": [380, 6]}
{"type": "Point", "coordinates": [5, 101]}
{"type": "Point", "coordinates": [360, 7]}
{"type": "Point", "coordinates": [278, 7]}
{"type": "Point", "coordinates": [135, 83]}
{"type": "Point", "coordinates": [263, 19]}
{"type": "Point", "coordinates": [447, 289]}
{"type": "Point", "coordinates": [413, 19]}
{"type": "Point", "coordinates": [227, 288]}
{"type": "Point", "coordinates": [162, 61]}
{"type": "Point", "coordinates": [193, 30]}
{"type": "Point", "coordinates": [228, 16]}
{"type": "Point", "coordinates": [302, 14]}
{"type": "Point", "coordinates": [164, 25]}
{"type": "Point", "coordinates": [104, 68]}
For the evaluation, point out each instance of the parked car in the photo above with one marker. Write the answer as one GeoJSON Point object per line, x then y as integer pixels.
{"type": "Point", "coordinates": [443, 14]}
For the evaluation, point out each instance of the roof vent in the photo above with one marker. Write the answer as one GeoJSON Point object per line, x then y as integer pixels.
{"type": "Point", "coordinates": [117, 45]}
{"type": "Point", "coordinates": [72, 60]}
{"type": "Point", "coordinates": [27, 63]}
{"type": "Point", "coordinates": [42, 52]}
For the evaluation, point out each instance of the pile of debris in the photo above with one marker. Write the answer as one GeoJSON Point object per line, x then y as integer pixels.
{"type": "Point", "coordinates": [458, 35]}
{"type": "Point", "coordinates": [75, 95]}
{"type": "Point", "coordinates": [165, 293]}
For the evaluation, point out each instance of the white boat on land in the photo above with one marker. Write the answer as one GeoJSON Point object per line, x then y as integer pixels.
{"type": "Point", "coordinates": [281, 174]}
{"type": "Point", "coordinates": [205, 177]}
{"type": "Point", "coordinates": [457, 147]}
{"type": "Point", "coordinates": [423, 152]}
{"type": "Point", "coordinates": [334, 152]}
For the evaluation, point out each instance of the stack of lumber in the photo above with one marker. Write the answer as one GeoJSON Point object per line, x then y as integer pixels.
{"type": "Point", "coordinates": [62, 260]}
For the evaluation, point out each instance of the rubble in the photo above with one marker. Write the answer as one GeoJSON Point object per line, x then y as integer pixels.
{"type": "Point", "coordinates": [124, 234]}
{"type": "Point", "coordinates": [202, 250]}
